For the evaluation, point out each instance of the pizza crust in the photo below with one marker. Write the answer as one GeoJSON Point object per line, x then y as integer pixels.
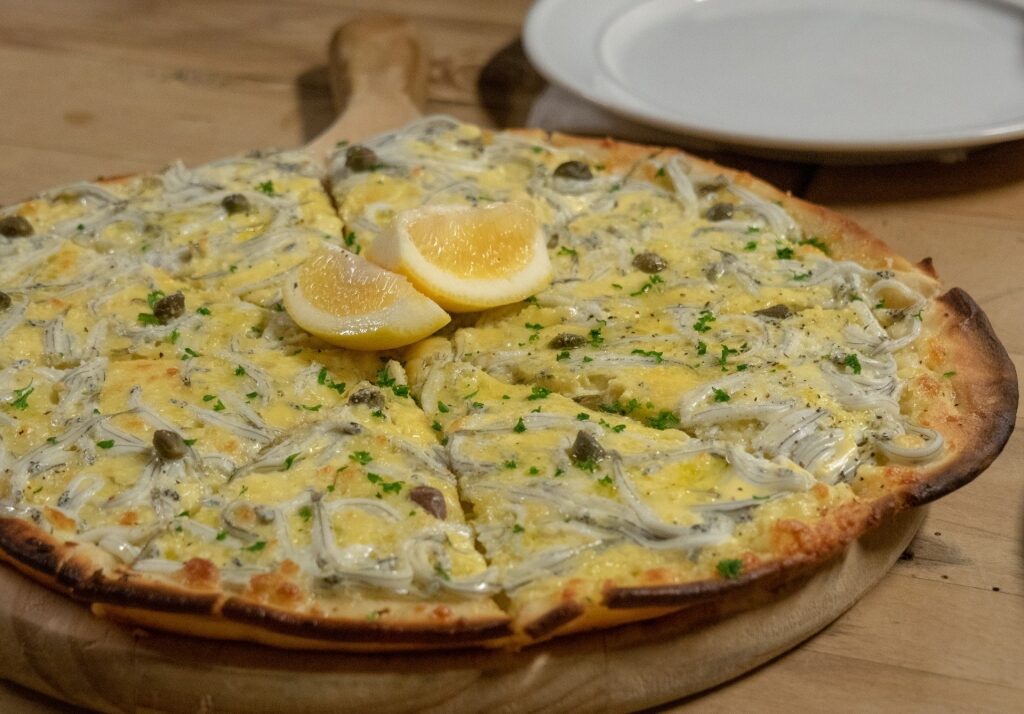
{"type": "Point", "coordinates": [986, 390]}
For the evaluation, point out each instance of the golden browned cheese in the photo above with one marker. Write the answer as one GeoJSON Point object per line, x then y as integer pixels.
{"type": "Point", "coordinates": [707, 390]}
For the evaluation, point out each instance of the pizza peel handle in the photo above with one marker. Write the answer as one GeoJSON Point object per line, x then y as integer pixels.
{"type": "Point", "coordinates": [378, 75]}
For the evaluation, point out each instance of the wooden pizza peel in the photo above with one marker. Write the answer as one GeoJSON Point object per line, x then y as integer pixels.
{"type": "Point", "coordinates": [55, 646]}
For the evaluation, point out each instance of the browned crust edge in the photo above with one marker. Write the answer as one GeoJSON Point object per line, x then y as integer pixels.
{"type": "Point", "coordinates": [459, 630]}
{"type": "Point", "coordinates": [989, 390]}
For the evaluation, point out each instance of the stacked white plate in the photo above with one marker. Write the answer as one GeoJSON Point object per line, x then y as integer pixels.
{"type": "Point", "coordinates": [833, 79]}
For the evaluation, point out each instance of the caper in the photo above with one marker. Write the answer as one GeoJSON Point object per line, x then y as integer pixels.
{"type": "Point", "coordinates": [431, 500]}
{"type": "Point", "coordinates": [15, 227]}
{"type": "Point", "coordinates": [5, 301]}
{"type": "Point", "coordinates": [369, 396]}
{"type": "Point", "coordinates": [719, 212]}
{"type": "Point", "coordinates": [170, 307]}
{"type": "Point", "coordinates": [776, 312]}
{"type": "Point", "coordinates": [235, 203]}
{"type": "Point", "coordinates": [649, 262]}
{"type": "Point", "coordinates": [586, 448]}
{"type": "Point", "coordinates": [575, 170]}
{"type": "Point", "coordinates": [360, 158]}
{"type": "Point", "coordinates": [567, 341]}
{"type": "Point", "coordinates": [169, 445]}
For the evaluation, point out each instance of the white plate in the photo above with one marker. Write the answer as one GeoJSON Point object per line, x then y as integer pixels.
{"type": "Point", "coordinates": [829, 76]}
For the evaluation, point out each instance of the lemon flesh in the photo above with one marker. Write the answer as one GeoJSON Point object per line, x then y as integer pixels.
{"type": "Point", "coordinates": [348, 301]}
{"type": "Point", "coordinates": [467, 258]}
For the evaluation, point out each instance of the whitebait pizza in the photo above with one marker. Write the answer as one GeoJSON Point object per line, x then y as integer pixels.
{"type": "Point", "coordinates": [712, 385]}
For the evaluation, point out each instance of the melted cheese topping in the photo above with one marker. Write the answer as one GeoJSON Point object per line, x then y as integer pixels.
{"type": "Point", "coordinates": [699, 372]}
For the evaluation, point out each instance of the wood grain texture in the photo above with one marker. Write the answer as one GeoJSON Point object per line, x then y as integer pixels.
{"type": "Point", "coordinates": [114, 86]}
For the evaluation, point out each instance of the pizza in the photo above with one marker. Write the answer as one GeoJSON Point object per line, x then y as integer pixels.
{"type": "Point", "coordinates": [722, 387]}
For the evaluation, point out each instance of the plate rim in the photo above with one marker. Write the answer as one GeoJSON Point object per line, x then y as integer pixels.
{"type": "Point", "coordinates": [537, 21]}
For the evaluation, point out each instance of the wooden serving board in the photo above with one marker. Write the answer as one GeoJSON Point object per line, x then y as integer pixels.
{"type": "Point", "coordinates": [57, 647]}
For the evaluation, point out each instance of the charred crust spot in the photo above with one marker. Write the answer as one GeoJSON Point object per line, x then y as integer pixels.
{"type": "Point", "coordinates": [553, 619]}
{"type": "Point", "coordinates": [927, 266]}
{"type": "Point", "coordinates": [298, 625]}
{"type": "Point", "coordinates": [22, 542]}
{"type": "Point", "coordinates": [125, 591]}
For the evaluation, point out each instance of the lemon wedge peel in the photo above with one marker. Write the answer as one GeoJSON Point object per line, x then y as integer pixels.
{"type": "Point", "coordinates": [350, 302]}
{"type": "Point", "coordinates": [467, 258]}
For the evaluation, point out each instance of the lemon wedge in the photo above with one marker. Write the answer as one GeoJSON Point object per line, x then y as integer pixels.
{"type": "Point", "coordinates": [348, 301]}
{"type": "Point", "coordinates": [467, 258]}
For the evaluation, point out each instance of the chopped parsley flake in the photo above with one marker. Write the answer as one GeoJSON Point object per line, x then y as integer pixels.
{"type": "Point", "coordinates": [538, 393]}
{"type": "Point", "coordinates": [361, 457]}
{"type": "Point", "coordinates": [800, 277]}
{"type": "Point", "coordinates": [582, 416]}
{"type": "Point", "coordinates": [605, 481]}
{"type": "Point", "coordinates": [436, 426]}
{"type": "Point", "coordinates": [520, 426]}
{"type": "Point", "coordinates": [750, 246]}
{"type": "Point", "coordinates": [148, 319]}
{"type": "Point", "coordinates": [533, 471]}
{"type": "Point", "coordinates": [723, 360]}
{"type": "Point", "coordinates": [730, 568]}
{"type": "Point", "coordinates": [289, 461]}
{"type": "Point", "coordinates": [312, 407]}
{"type": "Point", "coordinates": [567, 251]}
{"type": "Point", "coordinates": [154, 297]}
{"type": "Point", "coordinates": [239, 371]}
{"type": "Point", "coordinates": [784, 253]}
{"type": "Point", "coordinates": [563, 355]}
{"type": "Point", "coordinates": [105, 444]}
{"type": "Point", "coordinates": [266, 187]}
{"type": "Point", "coordinates": [619, 408]}
{"type": "Point", "coordinates": [442, 407]}
{"type": "Point", "coordinates": [663, 420]}
{"type": "Point", "coordinates": [324, 378]}
{"type": "Point", "coordinates": [656, 356]}
{"type": "Point", "coordinates": [222, 535]}
{"type": "Point", "coordinates": [174, 336]}
{"type": "Point", "coordinates": [702, 347]}
{"type": "Point", "coordinates": [20, 401]}
{"type": "Point", "coordinates": [588, 465]}
{"type": "Point", "coordinates": [703, 322]}
{"type": "Point", "coordinates": [203, 310]}
{"type": "Point", "coordinates": [596, 338]}
{"type": "Point", "coordinates": [650, 283]}
{"type": "Point", "coordinates": [517, 528]}
{"type": "Point", "coordinates": [511, 464]}
{"type": "Point", "coordinates": [853, 363]}
{"type": "Point", "coordinates": [817, 243]}
{"type": "Point", "coordinates": [189, 354]}
{"type": "Point", "coordinates": [947, 375]}
{"type": "Point", "coordinates": [720, 395]}
{"type": "Point", "coordinates": [256, 547]}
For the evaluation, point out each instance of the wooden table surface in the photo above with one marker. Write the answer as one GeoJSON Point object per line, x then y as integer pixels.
{"type": "Point", "coordinates": [91, 87]}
